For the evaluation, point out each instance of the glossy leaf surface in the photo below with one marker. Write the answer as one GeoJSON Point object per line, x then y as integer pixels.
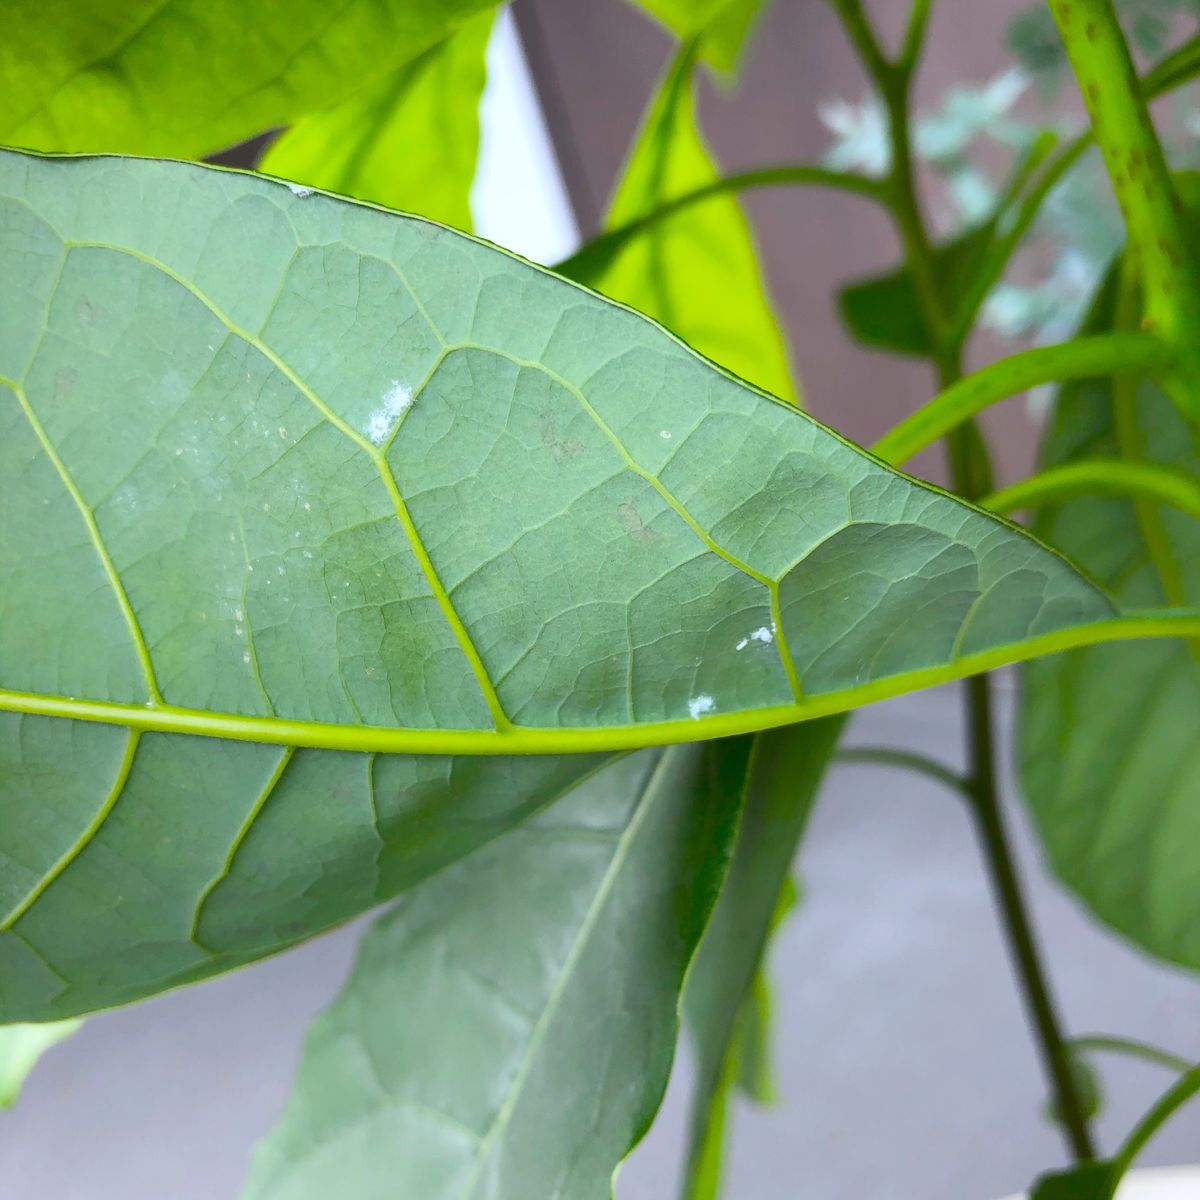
{"type": "Point", "coordinates": [191, 77]}
{"type": "Point", "coordinates": [408, 142]}
{"type": "Point", "coordinates": [266, 533]}
{"type": "Point", "coordinates": [508, 1029]}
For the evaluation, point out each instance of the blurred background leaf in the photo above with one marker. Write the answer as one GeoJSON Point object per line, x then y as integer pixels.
{"type": "Point", "coordinates": [697, 272]}
{"type": "Point", "coordinates": [409, 142]}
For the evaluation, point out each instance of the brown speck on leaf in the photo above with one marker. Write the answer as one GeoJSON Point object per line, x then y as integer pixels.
{"type": "Point", "coordinates": [562, 448]}
{"type": "Point", "coordinates": [632, 523]}
{"type": "Point", "coordinates": [86, 313]}
{"type": "Point", "coordinates": [65, 379]}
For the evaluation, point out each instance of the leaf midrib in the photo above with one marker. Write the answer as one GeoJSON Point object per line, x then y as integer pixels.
{"type": "Point", "coordinates": [575, 739]}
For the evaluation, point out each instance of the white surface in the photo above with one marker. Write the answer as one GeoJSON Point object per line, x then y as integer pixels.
{"type": "Point", "coordinates": [1166, 1183]}
{"type": "Point", "coordinates": [519, 199]}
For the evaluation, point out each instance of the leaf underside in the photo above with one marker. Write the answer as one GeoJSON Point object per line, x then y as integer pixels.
{"type": "Point", "coordinates": [508, 1029]}
{"type": "Point", "coordinates": [291, 469]}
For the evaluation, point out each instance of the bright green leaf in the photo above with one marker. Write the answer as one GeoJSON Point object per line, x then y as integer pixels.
{"type": "Point", "coordinates": [20, 1048]}
{"type": "Point", "coordinates": [724, 25]}
{"type": "Point", "coordinates": [299, 497]}
{"type": "Point", "coordinates": [509, 1028]}
{"type": "Point", "coordinates": [1109, 757]}
{"type": "Point", "coordinates": [696, 272]}
{"type": "Point", "coordinates": [190, 77]}
{"type": "Point", "coordinates": [409, 142]}
{"type": "Point", "coordinates": [784, 772]}
{"type": "Point", "coordinates": [885, 310]}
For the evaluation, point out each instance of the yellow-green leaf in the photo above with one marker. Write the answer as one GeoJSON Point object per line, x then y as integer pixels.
{"type": "Point", "coordinates": [409, 141]}
{"type": "Point", "coordinates": [696, 272]}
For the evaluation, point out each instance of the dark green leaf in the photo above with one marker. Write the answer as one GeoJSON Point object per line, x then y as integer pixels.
{"type": "Point", "coordinates": [299, 498]}
{"type": "Point", "coordinates": [885, 310]}
{"type": "Point", "coordinates": [409, 142]}
{"type": "Point", "coordinates": [1091, 1181]}
{"type": "Point", "coordinates": [190, 77]}
{"type": "Point", "coordinates": [508, 1029]}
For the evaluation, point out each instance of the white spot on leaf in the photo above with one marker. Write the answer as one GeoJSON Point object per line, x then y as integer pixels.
{"type": "Point", "coordinates": [396, 401]}
{"type": "Point", "coordinates": [665, 434]}
{"type": "Point", "coordinates": [298, 189]}
{"type": "Point", "coordinates": [698, 705]}
{"type": "Point", "coordinates": [764, 634]}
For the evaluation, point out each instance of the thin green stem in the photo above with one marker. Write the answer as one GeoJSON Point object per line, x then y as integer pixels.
{"type": "Point", "coordinates": [971, 470]}
{"type": "Point", "coordinates": [1018, 927]}
{"type": "Point", "coordinates": [1141, 179]}
{"type": "Point", "coordinates": [1096, 356]}
{"type": "Point", "coordinates": [1000, 253]}
{"type": "Point", "coordinates": [1172, 1101]}
{"type": "Point", "coordinates": [914, 35]}
{"type": "Point", "coordinates": [1178, 68]}
{"type": "Point", "coordinates": [1127, 430]}
{"type": "Point", "coordinates": [862, 37]}
{"type": "Point", "coordinates": [908, 760]}
{"type": "Point", "coordinates": [1097, 1043]}
{"type": "Point", "coordinates": [595, 255]}
{"type": "Point", "coordinates": [1100, 476]}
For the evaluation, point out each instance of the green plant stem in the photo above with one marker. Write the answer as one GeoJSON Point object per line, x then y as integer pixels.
{"type": "Point", "coordinates": [1056, 1055]}
{"type": "Point", "coordinates": [1172, 1101]}
{"type": "Point", "coordinates": [1141, 179]}
{"type": "Point", "coordinates": [914, 35]}
{"type": "Point", "coordinates": [1129, 443]}
{"type": "Point", "coordinates": [862, 37]}
{"type": "Point", "coordinates": [887, 756]}
{"type": "Point", "coordinates": [598, 252]}
{"type": "Point", "coordinates": [971, 472]}
{"type": "Point", "coordinates": [1001, 252]}
{"type": "Point", "coordinates": [1100, 476]}
{"type": "Point", "coordinates": [1131, 1048]}
{"type": "Point", "coordinates": [1097, 356]}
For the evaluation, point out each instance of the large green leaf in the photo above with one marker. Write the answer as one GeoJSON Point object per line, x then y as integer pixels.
{"type": "Point", "coordinates": [696, 272]}
{"type": "Point", "coordinates": [20, 1048]}
{"type": "Point", "coordinates": [409, 141]}
{"type": "Point", "coordinates": [1109, 753]}
{"type": "Point", "coordinates": [189, 77]}
{"type": "Point", "coordinates": [784, 770]}
{"type": "Point", "coordinates": [299, 497]}
{"type": "Point", "coordinates": [508, 1029]}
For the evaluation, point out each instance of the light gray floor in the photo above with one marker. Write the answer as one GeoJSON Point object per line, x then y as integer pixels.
{"type": "Point", "coordinates": [905, 1065]}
